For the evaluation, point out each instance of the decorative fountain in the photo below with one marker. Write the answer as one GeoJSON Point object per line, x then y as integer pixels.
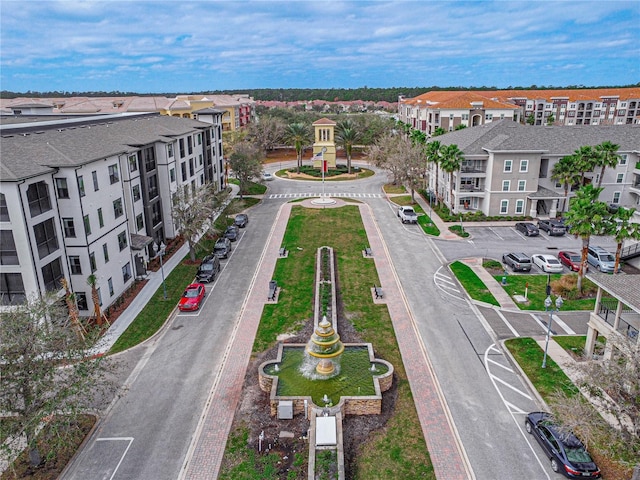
{"type": "Point", "coordinates": [326, 347]}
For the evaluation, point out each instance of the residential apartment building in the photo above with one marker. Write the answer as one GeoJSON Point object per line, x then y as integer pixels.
{"type": "Point", "coordinates": [507, 168]}
{"type": "Point", "coordinates": [447, 109]}
{"type": "Point", "coordinates": [91, 195]}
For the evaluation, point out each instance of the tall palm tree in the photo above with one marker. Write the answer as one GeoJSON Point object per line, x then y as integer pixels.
{"type": "Point", "coordinates": [92, 281]}
{"type": "Point", "coordinates": [585, 159]}
{"type": "Point", "coordinates": [432, 152]}
{"type": "Point", "coordinates": [74, 315]}
{"type": "Point", "coordinates": [586, 216]}
{"type": "Point", "coordinates": [607, 157]}
{"type": "Point", "coordinates": [298, 135]}
{"type": "Point", "coordinates": [451, 160]}
{"type": "Point", "coordinates": [622, 228]}
{"type": "Point", "coordinates": [566, 173]}
{"type": "Point", "coordinates": [347, 135]}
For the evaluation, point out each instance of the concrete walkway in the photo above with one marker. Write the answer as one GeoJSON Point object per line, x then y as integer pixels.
{"type": "Point", "coordinates": [491, 283]}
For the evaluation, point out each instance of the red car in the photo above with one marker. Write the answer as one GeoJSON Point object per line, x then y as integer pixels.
{"type": "Point", "coordinates": [192, 297]}
{"type": "Point", "coordinates": [571, 260]}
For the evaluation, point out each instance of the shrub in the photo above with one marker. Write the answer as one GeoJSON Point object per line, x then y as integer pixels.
{"type": "Point", "coordinates": [566, 286]}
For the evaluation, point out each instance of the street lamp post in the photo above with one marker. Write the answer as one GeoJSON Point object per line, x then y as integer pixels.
{"type": "Point", "coordinates": [548, 307]}
{"type": "Point", "coordinates": [159, 250]}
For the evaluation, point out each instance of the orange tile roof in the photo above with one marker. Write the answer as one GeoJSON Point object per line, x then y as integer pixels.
{"type": "Point", "coordinates": [324, 121]}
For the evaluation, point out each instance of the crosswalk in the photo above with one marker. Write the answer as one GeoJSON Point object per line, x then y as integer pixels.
{"type": "Point", "coordinates": [335, 195]}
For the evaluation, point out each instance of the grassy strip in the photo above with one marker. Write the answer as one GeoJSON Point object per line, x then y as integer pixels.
{"type": "Point", "coordinates": [574, 344]}
{"type": "Point", "coordinates": [251, 188]}
{"type": "Point", "coordinates": [399, 451]}
{"type": "Point", "coordinates": [537, 291]}
{"type": "Point", "coordinates": [472, 284]}
{"type": "Point", "coordinates": [423, 219]}
{"type": "Point", "coordinates": [547, 380]}
{"type": "Point", "coordinates": [391, 188]}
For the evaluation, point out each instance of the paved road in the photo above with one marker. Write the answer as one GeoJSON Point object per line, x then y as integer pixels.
{"type": "Point", "coordinates": [146, 433]}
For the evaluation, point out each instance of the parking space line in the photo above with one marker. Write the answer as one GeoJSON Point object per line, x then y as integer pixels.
{"type": "Point", "coordinates": [117, 439]}
{"type": "Point", "coordinates": [515, 409]}
{"type": "Point", "coordinates": [496, 233]}
{"type": "Point", "coordinates": [508, 369]}
{"type": "Point", "coordinates": [508, 385]}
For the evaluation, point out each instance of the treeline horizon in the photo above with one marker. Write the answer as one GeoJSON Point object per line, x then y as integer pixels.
{"type": "Point", "coordinates": [365, 93]}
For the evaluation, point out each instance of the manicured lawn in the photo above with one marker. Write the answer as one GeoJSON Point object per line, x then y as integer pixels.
{"type": "Point", "coordinates": [537, 288]}
{"type": "Point", "coordinates": [423, 219]}
{"type": "Point", "coordinates": [252, 188]}
{"type": "Point", "coordinates": [472, 283]}
{"type": "Point", "coordinates": [391, 188]}
{"type": "Point", "coordinates": [399, 450]}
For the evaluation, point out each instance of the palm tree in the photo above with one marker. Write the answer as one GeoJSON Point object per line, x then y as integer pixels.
{"type": "Point", "coordinates": [298, 135]}
{"type": "Point", "coordinates": [586, 216]}
{"type": "Point", "coordinates": [622, 228]}
{"type": "Point", "coordinates": [74, 315]}
{"type": "Point", "coordinates": [418, 137]}
{"type": "Point", "coordinates": [92, 281]}
{"type": "Point", "coordinates": [566, 173]}
{"type": "Point", "coordinates": [585, 159]}
{"type": "Point", "coordinates": [451, 160]}
{"type": "Point", "coordinates": [607, 157]}
{"type": "Point", "coordinates": [347, 135]}
{"type": "Point", "coordinates": [432, 152]}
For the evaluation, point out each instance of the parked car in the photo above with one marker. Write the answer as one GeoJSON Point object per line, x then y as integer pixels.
{"type": "Point", "coordinates": [208, 269]}
{"type": "Point", "coordinates": [527, 228]}
{"type": "Point", "coordinates": [567, 454]}
{"type": "Point", "coordinates": [241, 220]}
{"type": "Point", "coordinates": [407, 215]}
{"type": "Point", "coordinates": [517, 261]}
{"type": "Point", "coordinates": [552, 227]}
{"type": "Point", "coordinates": [192, 297]}
{"type": "Point", "coordinates": [222, 247]}
{"type": "Point", "coordinates": [571, 260]}
{"type": "Point", "coordinates": [231, 232]}
{"type": "Point", "coordinates": [547, 263]}
{"type": "Point", "coordinates": [601, 259]}
{"type": "Point", "coordinates": [267, 177]}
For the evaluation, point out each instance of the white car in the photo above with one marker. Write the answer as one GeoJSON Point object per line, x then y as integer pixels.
{"type": "Point", "coordinates": [547, 263]}
{"type": "Point", "coordinates": [266, 176]}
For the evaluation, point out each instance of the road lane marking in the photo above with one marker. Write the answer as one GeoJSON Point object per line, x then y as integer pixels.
{"type": "Point", "coordinates": [506, 322]}
{"type": "Point", "coordinates": [508, 385]}
{"type": "Point", "coordinates": [563, 325]}
{"type": "Point", "coordinates": [116, 439]}
{"type": "Point", "coordinates": [508, 369]}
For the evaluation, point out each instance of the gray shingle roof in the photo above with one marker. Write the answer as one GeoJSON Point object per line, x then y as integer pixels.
{"type": "Point", "coordinates": [35, 153]}
{"type": "Point", "coordinates": [625, 288]}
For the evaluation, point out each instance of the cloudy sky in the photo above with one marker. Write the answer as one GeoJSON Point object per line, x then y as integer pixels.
{"type": "Point", "coordinates": [186, 46]}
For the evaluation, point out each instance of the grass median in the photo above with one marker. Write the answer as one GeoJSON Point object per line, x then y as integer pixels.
{"type": "Point", "coordinates": [472, 284]}
{"type": "Point", "coordinates": [424, 220]}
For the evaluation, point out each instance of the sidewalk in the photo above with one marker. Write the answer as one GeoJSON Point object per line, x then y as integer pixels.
{"type": "Point", "coordinates": [492, 284]}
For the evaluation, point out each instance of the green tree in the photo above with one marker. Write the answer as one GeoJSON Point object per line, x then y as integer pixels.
{"type": "Point", "coordinates": [347, 135]}
{"type": "Point", "coordinates": [267, 132]}
{"type": "Point", "coordinates": [550, 119]}
{"type": "Point", "coordinates": [622, 228]}
{"type": "Point", "coordinates": [566, 173]}
{"type": "Point", "coordinates": [45, 371]}
{"type": "Point", "coordinates": [607, 156]}
{"type": "Point", "coordinates": [586, 216]}
{"type": "Point", "coordinates": [438, 131]}
{"type": "Point", "coordinates": [298, 135]}
{"type": "Point", "coordinates": [451, 158]}
{"type": "Point", "coordinates": [433, 156]}
{"type": "Point", "coordinates": [462, 126]}
{"type": "Point", "coordinates": [531, 119]}
{"type": "Point", "coordinates": [246, 163]}
{"type": "Point", "coordinates": [585, 159]}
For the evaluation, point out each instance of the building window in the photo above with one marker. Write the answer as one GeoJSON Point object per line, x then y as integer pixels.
{"type": "Point", "coordinates": [504, 207]}
{"type": "Point", "coordinates": [92, 262]}
{"type": "Point", "coordinates": [152, 186]}
{"type": "Point", "coordinates": [117, 207]}
{"type": "Point", "coordinates": [126, 272]}
{"type": "Point", "coordinates": [620, 178]}
{"type": "Point", "coordinates": [75, 265]}
{"type": "Point", "coordinates": [100, 218]}
{"type": "Point", "coordinates": [136, 192]}
{"type": "Point", "coordinates": [506, 184]}
{"type": "Point", "coordinates": [156, 215]}
{"type": "Point", "coordinates": [200, 159]}
{"type": "Point", "coordinates": [81, 299]}
{"type": "Point", "coordinates": [105, 252]}
{"type": "Point", "coordinates": [122, 240]}
{"type": "Point", "coordinates": [52, 274]}
{"type": "Point", "coordinates": [8, 252]}
{"type": "Point", "coordinates": [183, 171]}
{"type": "Point", "coordinates": [4, 211]}
{"type": "Point", "coordinates": [139, 222]}
{"type": "Point", "coordinates": [489, 116]}
{"type": "Point", "coordinates": [133, 163]}
{"type": "Point", "coordinates": [114, 177]}
{"type": "Point", "coordinates": [170, 150]}
{"type": "Point", "coordinates": [69, 228]}
{"type": "Point", "coordinates": [189, 145]}
{"type": "Point", "coordinates": [181, 146]}
{"type": "Point", "coordinates": [62, 190]}
{"type": "Point", "coordinates": [191, 171]}
{"type": "Point", "coordinates": [519, 206]}
{"type": "Point", "coordinates": [149, 159]}
{"type": "Point", "coordinates": [172, 175]}
{"type": "Point", "coordinates": [508, 166]}
{"type": "Point", "coordinates": [524, 166]}
{"type": "Point", "coordinates": [199, 137]}
{"type": "Point", "coordinates": [94, 175]}
{"type": "Point", "coordinates": [87, 225]}
{"type": "Point", "coordinates": [522, 185]}
{"type": "Point", "coordinates": [38, 197]}
{"type": "Point", "coordinates": [110, 283]}
{"type": "Point", "coordinates": [11, 289]}
{"type": "Point", "coordinates": [46, 238]}
{"type": "Point", "coordinates": [81, 185]}
{"type": "Point", "coordinates": [623, 159]}
{"type": "Point", "coordinates": [616, 197]}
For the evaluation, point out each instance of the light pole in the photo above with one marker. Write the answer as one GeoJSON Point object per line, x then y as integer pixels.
{"type": "Point", "coordinates": [159, 250]}
{"type": "Point", "coordinates": [548, 307]}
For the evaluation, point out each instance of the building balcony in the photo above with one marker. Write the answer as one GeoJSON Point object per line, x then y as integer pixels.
{"type": "Point", "coordinates": [474, 167]}
{"type": "Point", "coordinates": [628, 323]}
{"type": "Point", "coordinates": [635, 188]}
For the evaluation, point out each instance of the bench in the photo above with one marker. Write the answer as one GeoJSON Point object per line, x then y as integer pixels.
{"type": "Point", "coordinates": [368, 252]}
{"type": "Point", "coordinates": [283, 252]}
{"type": "Point", "coordinates": [378, 291]}
{"type": "Point", "coordinates": [273, 289]}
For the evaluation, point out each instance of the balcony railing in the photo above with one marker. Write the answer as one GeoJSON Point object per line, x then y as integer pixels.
{"type": "Point", "coordinates": [476, 168]}
{"type": "Point", "coordinates": [627, 326]}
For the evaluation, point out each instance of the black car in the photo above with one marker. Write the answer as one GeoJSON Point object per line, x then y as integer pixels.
{"type": "Point", "coordinates": [208, 269]}
{"type": "Point", "coordinates": [567, 454]}
{"type": "Point", "coordinates": [241, 220]}
{"type": "Point", "coordinates": [527, 228]}
{"type": "Point", "coordinates": [231, 233]}
{"type": "Point", "coordinates": [222, 247]}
